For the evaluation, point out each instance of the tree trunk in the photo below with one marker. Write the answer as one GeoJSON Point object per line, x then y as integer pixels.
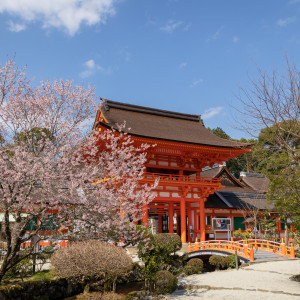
{"type": "Point", "coordinates": [286, 233]}
{"type": "Point", "coordinates": [255, 225]}
{"type": "Point", "coordinates": [114, 284]}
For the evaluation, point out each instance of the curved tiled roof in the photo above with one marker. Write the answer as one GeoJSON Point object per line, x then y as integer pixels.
{"type": "Point", "coordinates": [257, 182]}
{"type": "Point", "coordinates": [162, 124]}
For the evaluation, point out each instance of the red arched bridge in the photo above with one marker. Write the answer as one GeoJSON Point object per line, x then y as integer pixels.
{"type": "Point", "coordinates": [245, 249]}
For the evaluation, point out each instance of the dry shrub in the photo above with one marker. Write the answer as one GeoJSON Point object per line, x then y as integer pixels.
{"type": "Point", "coordinates": [91, 259]}
{"type": "Point", "coordinates": [100, 296]}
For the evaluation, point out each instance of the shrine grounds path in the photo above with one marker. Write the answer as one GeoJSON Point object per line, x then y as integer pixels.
{"type": "Point", "coordinates": [265, 280]}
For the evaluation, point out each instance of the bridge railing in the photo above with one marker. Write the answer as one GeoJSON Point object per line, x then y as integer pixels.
{"type": "Point", "coordinates": [271, 246]}
{"type": "Point", "coordinates": [228, 246]}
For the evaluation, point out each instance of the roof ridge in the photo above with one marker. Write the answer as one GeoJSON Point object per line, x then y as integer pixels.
{"type": "Point", "coordinates": [149, 110]}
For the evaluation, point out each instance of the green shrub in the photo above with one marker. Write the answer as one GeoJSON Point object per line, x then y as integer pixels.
{"type": "Point", "coordinates": [197, 264]}
{"type": "Point", "coordinates": [217, 261]}
{"type": "Point", "coordinates": [169, 242]}
{"type": "Point", "coordinates": [164, 282]}
{"type": "Point", "coordinates": [189, 270]}
{"type": "Point", "coordinates": [21, 269]}
{"type": "Point", "coordinates": [230, 261]}
{"type": "Point", "coordinates": [159, 250]}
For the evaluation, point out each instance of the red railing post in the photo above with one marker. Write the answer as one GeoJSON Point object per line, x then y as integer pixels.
{"type": "Point", "coordinates": [252, 254]}
{"type": "Point", "coordinates": [292, 252]}
{"type": "Point", "coordinates": [197, 246]}
{"type": "Point", "coordinates": [283, 248]}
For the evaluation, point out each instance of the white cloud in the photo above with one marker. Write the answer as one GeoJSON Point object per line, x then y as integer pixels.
{"type": "Point", "coordinates": [182, 65]}
{"type": "Point", "coordinates": [294, 1]}
{"type": "Point", "coordinates": [68, 15]}
{"type": "Point", "coordinates": [235, 39]}
{"type": "Point", "coordinates": [216, 34]}
{"type": "Point", "coordinates": [91, 68]}
{"type": "Point", "coordinates": [187, 27]}
{"type": "Point", "coordinates": [286, 21]}
{"type": "Point", "coordinates": [211, 112]}
{"type": "Point", "coordinates": [90, 64]}
{"type": "Point", "coordinates": [171, 26]}
{"type": "Point", "coordinates": [16, 27]}
{"type": "Point", "coordinates": [196, 82]}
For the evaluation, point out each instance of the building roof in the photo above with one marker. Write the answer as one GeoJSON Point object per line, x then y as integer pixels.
{"type": "Point", "coordinates": [237, 194]}
{"type": "Point", "coordinates": [162, 124]}
{"type": "Point", "coordinates": [244, 201]}
{"type": "Point", "coordinates": [257, 182]}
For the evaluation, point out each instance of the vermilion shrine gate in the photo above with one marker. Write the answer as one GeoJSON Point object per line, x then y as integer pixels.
{"type": "Point", "coordinates": [183, 146]}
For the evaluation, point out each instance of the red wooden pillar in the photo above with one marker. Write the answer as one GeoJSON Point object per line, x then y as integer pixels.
{"type": "Point", "coordinates": [202, 220]}
{"type": "Point", "coordinates": [183, 220]}
{"type": "Point", "coordinates": [189, 215]}
{"type": "Point", "coordinates": [145, 215]}
{"type": "Point", "coordinates": [159, 223]}
{"type": "Point", "coordinates": [195, 221]}
{"type": "Point", "coordinates": [171, 215]}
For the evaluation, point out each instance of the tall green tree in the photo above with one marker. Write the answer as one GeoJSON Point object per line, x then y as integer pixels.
{"type": "Point", "coordinates": [270, 106]}
{"type": "Point", "coordinates": [241, 163]}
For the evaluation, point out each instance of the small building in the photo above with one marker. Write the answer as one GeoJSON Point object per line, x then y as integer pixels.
{"type": "Point", "coordinates": [240, 200]}
{"type": "Point", "coordinates": [182, 148]}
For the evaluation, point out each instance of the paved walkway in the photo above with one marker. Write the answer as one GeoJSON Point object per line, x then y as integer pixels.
{"type": "Point", "coordinates": [268, 280]}
{"type": "Point", "coordinates": [263, 255]}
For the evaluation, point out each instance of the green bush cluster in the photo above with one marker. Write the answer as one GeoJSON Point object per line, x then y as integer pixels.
{"type": "Point", "coordinates": [168, 242]}
{"type": "Point", "coordinates": [21, 269]}
{"type": "Point", "coordinates": [230, 261]}
{"type": "Point", "coordinates": [158, 252]}
{"type": "Point", "coordinates": [194, 266]}
{"type": "Point", "coordinates": [217, 261]}
{"type": "Point", "coordinates": [164, 282]}
{"type": "Point", "coordinates": [239, 234]}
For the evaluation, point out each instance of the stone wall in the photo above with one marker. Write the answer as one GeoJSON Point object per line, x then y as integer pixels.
{"type": "Point", "coordinates": [42, 290]}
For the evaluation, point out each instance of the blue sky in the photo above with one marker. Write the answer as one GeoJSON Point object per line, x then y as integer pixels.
{"type": "Point", "coordinates": [184, 55]}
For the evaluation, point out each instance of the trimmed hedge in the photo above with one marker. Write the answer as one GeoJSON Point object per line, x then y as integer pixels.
{"type": "Point", "coordinates": [194, 266]}
{"type": "Point", "coordinates": [218, 261]}
{"type": "Point", "coordinates": [92, 259]}
{"type": "Point", "coordinates": [164, 282]}
{"type": "Point", "coordinates": [230, 261]}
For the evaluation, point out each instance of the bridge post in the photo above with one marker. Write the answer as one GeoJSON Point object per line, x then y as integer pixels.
{"type": "Point", "coordinates": [283, 248]}
{"type": "Point", "coordinates": [252, 254]}
{"type": "Point", "coordinates": [245, 249]}
{"type": "Point", "coordinates": [292, 251]}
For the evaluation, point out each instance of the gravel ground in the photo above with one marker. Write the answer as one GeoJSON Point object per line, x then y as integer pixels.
{"type": "Point", "coordinates": [268, 280]}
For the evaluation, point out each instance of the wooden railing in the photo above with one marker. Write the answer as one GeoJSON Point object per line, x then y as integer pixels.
{"type": "Point", "coordinates": [180, 178]}
{"type": "Point", "coordinates": [271, 246]}
{"type": "Point", "coordinates": [244, 248]}
{"type": "Point", "coordinates": [228, 246]}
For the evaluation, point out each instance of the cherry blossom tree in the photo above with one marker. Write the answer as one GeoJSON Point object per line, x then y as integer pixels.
{"type": "Point", "coordinates": [53, 172]}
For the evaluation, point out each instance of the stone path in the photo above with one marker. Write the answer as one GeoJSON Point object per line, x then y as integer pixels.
{"type": "Point", "coordinates": [263, 255]}
{"type": "Point", "coordinates": [269, 280]}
